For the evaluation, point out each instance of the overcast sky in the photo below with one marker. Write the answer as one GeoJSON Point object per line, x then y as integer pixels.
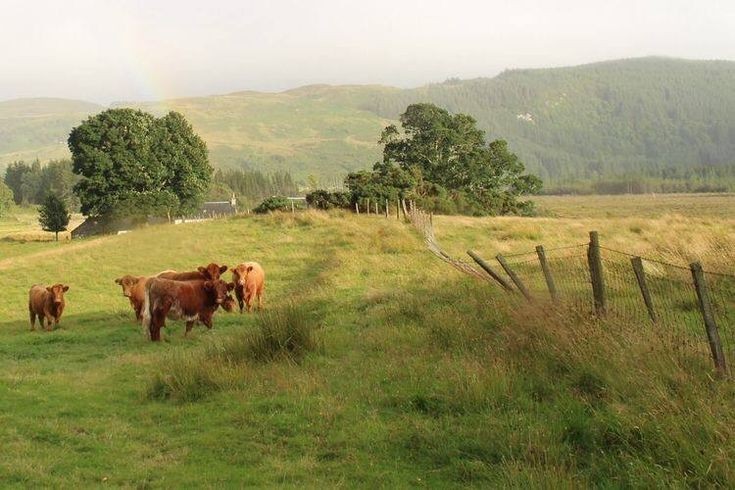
{"type": "Point", "coordinates": [108, 50]}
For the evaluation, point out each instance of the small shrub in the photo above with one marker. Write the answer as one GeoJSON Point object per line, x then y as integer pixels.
{"type": "Point", "coordinates": [275, 203]}
{"type": "Point", "coordinates": [321, 199]}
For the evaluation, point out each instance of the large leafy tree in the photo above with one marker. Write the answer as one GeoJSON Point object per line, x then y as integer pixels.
{"type": "Point", "coordinates": [449, 158]}
{"type": "Point", "coordinates": [134, 164]}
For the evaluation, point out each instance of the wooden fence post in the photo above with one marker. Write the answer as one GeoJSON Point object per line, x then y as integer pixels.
{"type": "Point", "coordinates": [514, 277]}
{"type": "Point", "coordinates": [594, 259]}
{"type": "Point", "coordinates": [547, 271]}
{"type": "Point", "coordinates": [398, 209]}
{"type": "Point", "coordinates": [640, 276]}
{"type": "Point", "coordinates": [386, 208]}
{"type": "Point", "coordinates": [376, 207]}
{"type": "Point", "coordinates": [405, 211]}
{"type": "Point", "coordinates": [486, 267]}
{"type": "Point", "coordinates": [293, 208]}
{"type": "Point", "coordinates": [368, 206]}
{"type": "Point", "coordinates": [713, 334]}
{"type": "Point", "coordinates": [357, 208]}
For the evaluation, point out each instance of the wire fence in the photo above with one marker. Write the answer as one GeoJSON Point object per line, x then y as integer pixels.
{"type": "Point", "coordinates": [693, 312]}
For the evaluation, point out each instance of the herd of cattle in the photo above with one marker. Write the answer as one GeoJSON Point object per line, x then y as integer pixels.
{"type": "Point", "coordinates": [190, 296]}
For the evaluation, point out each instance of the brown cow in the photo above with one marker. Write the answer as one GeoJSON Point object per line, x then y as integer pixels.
{"type": "Point", "coordinates": [46, 302]}
{"type": "Point", "coordinates": [249, 281]}
{"type": "Point", "coordinates": [133, 288]}
{"type": "Point", "coordinates": [186, 300]}
{"type": "Point", "coordinates": [212, 272]}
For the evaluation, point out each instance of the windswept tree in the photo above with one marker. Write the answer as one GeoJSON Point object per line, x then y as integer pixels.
{"type": "Point", "coordinates": [447, 161]}
{"type": "Point", "coordinates": [137, 165]}
{"type": "Point", "coordinates": [53, 215]}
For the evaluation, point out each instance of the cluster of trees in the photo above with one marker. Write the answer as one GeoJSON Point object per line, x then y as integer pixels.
{"type": "Point", "coordinates": [134, 165]}
{"type": "Point", "coordinates": [31, 183]}
{"type": "Point", "coordinates": [443, 162]}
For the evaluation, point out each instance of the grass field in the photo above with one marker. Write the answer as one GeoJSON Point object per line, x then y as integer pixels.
{"type": "Point", "coordinates": [398, 371]}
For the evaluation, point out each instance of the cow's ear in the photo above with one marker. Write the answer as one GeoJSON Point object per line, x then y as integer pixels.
{"type": "Point", "coordinates": [201, 269]}
{"type": "Point", "coordinates": [230, 286]}
{"type": "Point", "coordinates": [118, 280]}
{"type": "Point", "coordinates": [222, 269]}
{"type": "Point", "coordinates": [250, 267]}
{"type": "Point", "coordinates": [50, 289]}
{"type": "Point", "coordinates": [66, 288]}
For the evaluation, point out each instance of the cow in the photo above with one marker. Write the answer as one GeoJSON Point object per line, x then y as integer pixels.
{"type": "Point", "coordinates": [249, 279]}
{"type": "Point", "coordinates": [211, 272]}
{"type": "Point", "coordinates": [133, 288]}
{"type": "Point", "coordinates": [47, 303]}
{"type": "Point", "coordinates": [186, 300]}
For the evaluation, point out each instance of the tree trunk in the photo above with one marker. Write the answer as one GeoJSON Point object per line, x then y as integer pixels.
{"type": "Point", "coordinates": [57, 236]}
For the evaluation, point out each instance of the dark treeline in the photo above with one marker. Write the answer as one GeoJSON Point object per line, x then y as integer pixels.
{"type": "Point", "coordinates": [250, 186]}
{"type": "Point", "coordinates": [32, 182]}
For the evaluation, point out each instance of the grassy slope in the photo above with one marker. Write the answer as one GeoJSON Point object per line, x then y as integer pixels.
{"type": "Point", "coordinates": [423, 377]}
{"type": "Point", "coordinates": [601, 118]}
{"type": "Point", "coordinates": [38, 128]}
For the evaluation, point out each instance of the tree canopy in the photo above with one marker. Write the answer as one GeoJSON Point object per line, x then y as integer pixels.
{"type": "Point", "coordinates": [137, 165]}
{"type": "Point", "coordinates": [443, 161]}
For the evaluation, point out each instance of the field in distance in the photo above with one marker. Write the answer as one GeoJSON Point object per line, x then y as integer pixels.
{"type": "Point", "coordinates": [397, 370]}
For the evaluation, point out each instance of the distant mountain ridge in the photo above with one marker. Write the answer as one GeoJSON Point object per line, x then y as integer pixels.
{"type": "Point", "coordinates": [638, 115]}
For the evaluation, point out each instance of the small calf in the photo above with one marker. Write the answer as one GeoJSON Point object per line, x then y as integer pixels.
{"type": "Point", "coordinates": [249, 279]}
{"type": "Point", "coordinates": [47, 303]}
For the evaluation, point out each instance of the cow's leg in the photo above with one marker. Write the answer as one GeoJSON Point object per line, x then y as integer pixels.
{"type": "Point", "coordinates": [158, 320]}
{"type": "Point", "coordinates": [260, 299]}
{"type": "Point", "coordinates": [238, 294]}
{"type": "Point", "coordinates": [32, 314]}
{"type": "Point", "coordinates": [249, 300]}
{"type": "Point", "coordinates": [49, 318]}
{"type": "Point", "coordinates": [206, 319]}
{"type": "Point", "coordinates": [189, 326]}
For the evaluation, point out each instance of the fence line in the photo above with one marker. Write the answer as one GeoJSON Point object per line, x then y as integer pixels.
{"type": "Point", "coordinates": [691, 308]}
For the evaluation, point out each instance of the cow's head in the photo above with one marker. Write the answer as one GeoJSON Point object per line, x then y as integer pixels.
{"type": "Point", "coordinates": [219, 289]}
{"type": "Point", "coordinates": [229, 304]}
{"type": "Point", "coordinates": [128, 283]}
{"type": "Point", "coordinates": [240, 273]}
{"type": "Point", "coordinates": [212, 271]}
{"type": "Point", "coordinates": [57, 292]}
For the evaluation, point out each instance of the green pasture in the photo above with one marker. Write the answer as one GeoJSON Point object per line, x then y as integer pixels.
{"type": "Point", "coordinates": [411, 374]}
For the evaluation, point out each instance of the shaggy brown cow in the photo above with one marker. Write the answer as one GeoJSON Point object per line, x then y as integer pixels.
{"type": "Point", "coordinates": [133, 288]}
{"type": "Point", "coordinates": [249, 281]}
{"type": "Point", "coordinates": [212, 272]}
{"type": "Point", "coordinates": [46, 302]}
{"type": "Point", "coordinates": [186, 300]}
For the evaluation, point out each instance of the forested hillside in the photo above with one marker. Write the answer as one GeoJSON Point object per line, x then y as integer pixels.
{"type": "Point", "coordinates": [606, 124]}
{"type": "Point", "coordinates": [653, 116]}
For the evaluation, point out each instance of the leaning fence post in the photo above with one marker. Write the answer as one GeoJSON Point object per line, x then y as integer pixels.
{"type": "Point", "coordinates": [357, 208]}
{"type": "Point", "coordinates": [594, 259]}
{"type": "Point", "coordinates": [514, 277]}
{"type": "Point", "coordinates": [640, 276]}
{"type": "Point", "coordinates": [486, 267]}
{"type": "Point", "coordinates": [547, 271]}
{"type": "Point", "coordinates": [713, 335]}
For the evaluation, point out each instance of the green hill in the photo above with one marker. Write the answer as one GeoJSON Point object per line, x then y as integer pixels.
{"type": "Point", "coordinates": [38, 128]}
{"type": "Point", "coordinates": [651, 116]}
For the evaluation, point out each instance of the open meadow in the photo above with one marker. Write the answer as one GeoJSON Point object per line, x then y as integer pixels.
{"type": "Point", "coordinates": [374, 364]}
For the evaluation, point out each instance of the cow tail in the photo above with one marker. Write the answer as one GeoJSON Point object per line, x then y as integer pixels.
{"type": "Point", "coordinates": [146, 320]}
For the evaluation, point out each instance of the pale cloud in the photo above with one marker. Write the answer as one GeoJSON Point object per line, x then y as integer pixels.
{"type": "Point", "coordinates": [115, 50]}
